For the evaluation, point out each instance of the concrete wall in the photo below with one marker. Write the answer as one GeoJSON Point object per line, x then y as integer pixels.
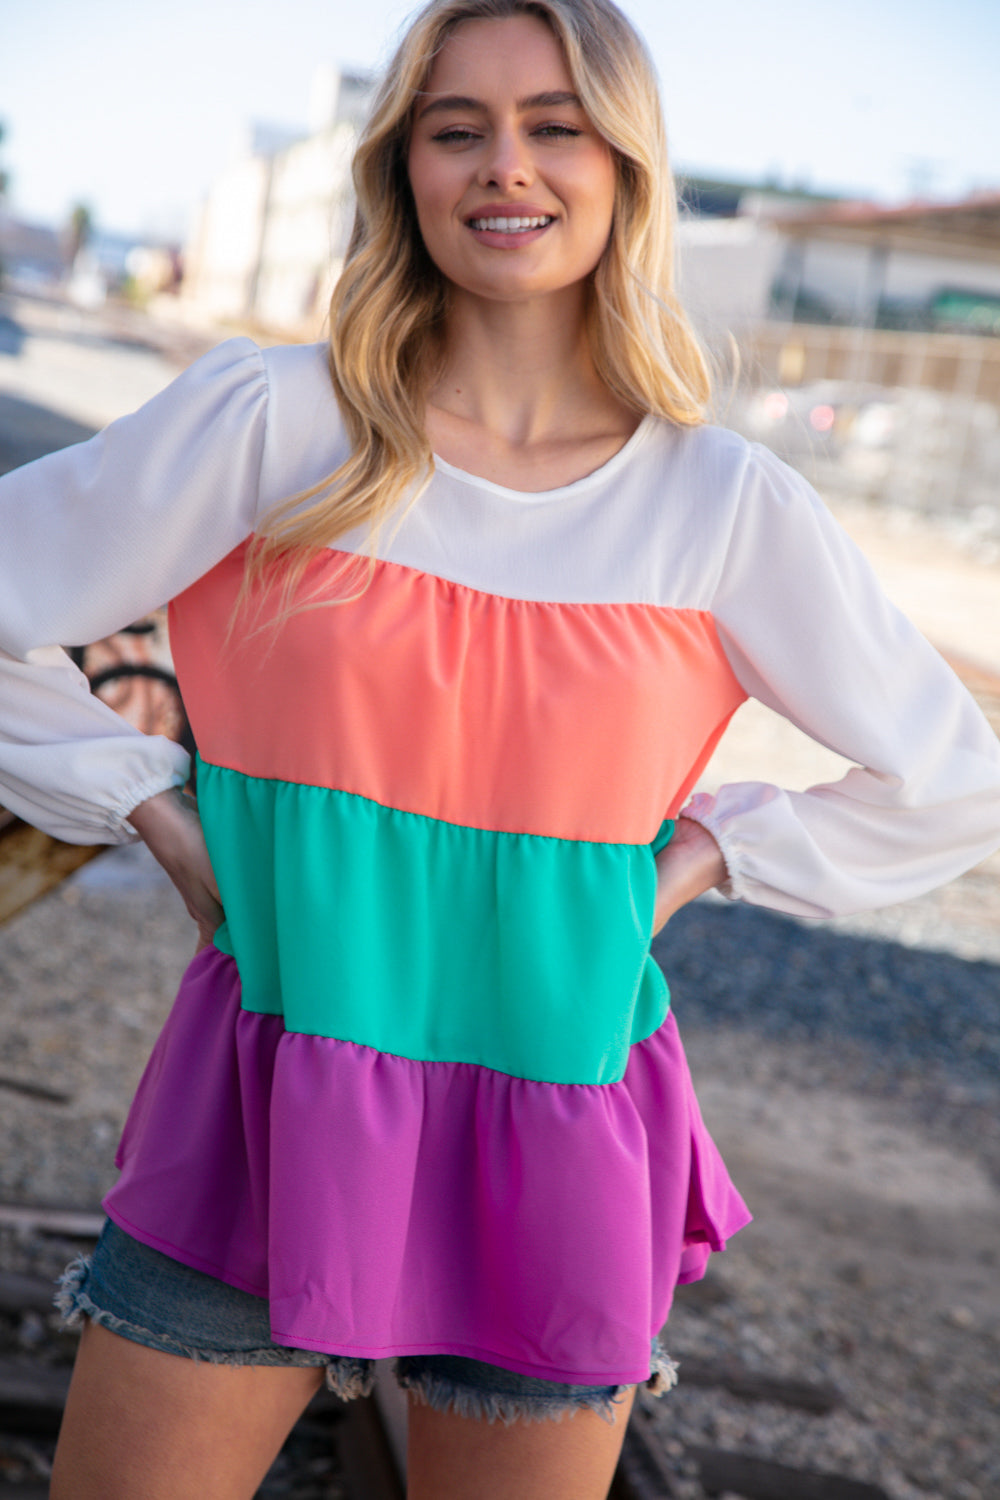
{"type": "Point", "coordinates": [222, 261]}
{"type": "Point", "coordinates": [725, 269]}
{"type": "Point", "coordinates": [274, 228]}
{"type": "Point", "coordinates": [308, 221]}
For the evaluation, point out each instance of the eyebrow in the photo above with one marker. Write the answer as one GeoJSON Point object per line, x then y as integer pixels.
{"type": "Point", "coordinates": [551, 100]}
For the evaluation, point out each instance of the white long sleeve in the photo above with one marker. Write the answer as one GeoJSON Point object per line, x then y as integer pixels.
{"type": "Point", "coordinates": [92, 538]}
{"type": "Point", "coordinates": [809, 632]}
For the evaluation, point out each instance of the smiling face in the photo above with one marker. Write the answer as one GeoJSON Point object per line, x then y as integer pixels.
{"type": "Point", "coordinates": [514, 188]}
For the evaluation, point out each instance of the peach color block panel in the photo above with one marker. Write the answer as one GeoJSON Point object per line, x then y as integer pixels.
{"type": "Point", "coordinates": [581, 721]}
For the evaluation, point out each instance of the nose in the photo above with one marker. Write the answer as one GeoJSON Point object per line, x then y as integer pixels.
{"type": "Point", "coordinates": [507, 161]}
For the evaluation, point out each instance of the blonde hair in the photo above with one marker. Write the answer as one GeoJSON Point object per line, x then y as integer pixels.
{"type": "Point", "coordinates": [388, 308]}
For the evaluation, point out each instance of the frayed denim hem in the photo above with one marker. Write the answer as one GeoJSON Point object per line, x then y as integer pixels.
{"type": "Point", "coordinates": [663, 1376]}
{"type": "Point", "coordinates": [345, 1377]}
{"type": "Point", "coordinates": [200, 1318]}
{"type": "Point", "coordinates": [443, 1393]}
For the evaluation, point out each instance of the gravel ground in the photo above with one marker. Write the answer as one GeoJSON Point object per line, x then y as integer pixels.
{"type": "Point", "coordinates": [852, 1084]}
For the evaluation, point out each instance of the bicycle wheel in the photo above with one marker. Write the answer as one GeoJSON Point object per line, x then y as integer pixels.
{"type": "Point", "coordinates": [147, 697]}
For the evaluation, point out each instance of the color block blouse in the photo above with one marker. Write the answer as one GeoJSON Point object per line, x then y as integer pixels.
{"type": "Point", "coordinates": [425, 1092]}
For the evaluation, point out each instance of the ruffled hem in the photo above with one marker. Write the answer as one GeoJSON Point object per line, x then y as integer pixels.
{"type": "Point", "coordinates": [389, 1207]}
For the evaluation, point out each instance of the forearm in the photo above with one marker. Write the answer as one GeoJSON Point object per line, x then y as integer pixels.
{"type": "Point", "coordinates": [169, 825]}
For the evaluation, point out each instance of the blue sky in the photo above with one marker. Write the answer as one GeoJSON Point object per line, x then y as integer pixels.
{"type": "Point", "coordinates": [133, 107]}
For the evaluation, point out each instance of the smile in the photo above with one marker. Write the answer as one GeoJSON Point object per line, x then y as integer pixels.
{"type": "Point", "coordinates": [512, 226]}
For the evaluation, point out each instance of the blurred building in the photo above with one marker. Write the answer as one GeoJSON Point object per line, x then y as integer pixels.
{"type": "Point", "coordinates": [730, 248]}
{"type": "Point", "coordinates": [37, 258]}
{"type": "Point", "coordinates": [153, 270]}
{"type": "Point", "coordinates": [868, 341]}
{"type": "Point", "coordinates": [31, 254]}
{"type": "Point", "coordinates": [273, 230]}
{"type": "Point", "coordinates": [764, 255]}
{"type": "Point", "coordinates": [907, 295]}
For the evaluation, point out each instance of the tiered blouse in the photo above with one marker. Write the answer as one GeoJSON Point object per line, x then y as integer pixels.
{"type": "Point", "coordinates": [424, 1092]}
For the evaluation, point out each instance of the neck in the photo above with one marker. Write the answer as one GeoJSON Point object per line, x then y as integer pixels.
{"type": "Point", "coordinates": [517, 369]}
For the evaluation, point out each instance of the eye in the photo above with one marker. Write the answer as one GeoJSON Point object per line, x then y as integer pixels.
{"type": "Point", "coordinates": [456, 135]}
{"type": "Point", "coordinates": [557, 130]}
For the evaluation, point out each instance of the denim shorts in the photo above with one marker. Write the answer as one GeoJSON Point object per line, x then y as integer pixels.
{"type": "Point", "coordinates": [151, 1299]}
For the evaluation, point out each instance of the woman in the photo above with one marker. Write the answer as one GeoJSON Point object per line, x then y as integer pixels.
{"type": "Point", "coordinates": [421, 1093]}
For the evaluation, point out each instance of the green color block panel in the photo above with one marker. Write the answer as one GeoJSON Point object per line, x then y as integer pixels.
{"type": "Point", "coordinates": [433, 941]}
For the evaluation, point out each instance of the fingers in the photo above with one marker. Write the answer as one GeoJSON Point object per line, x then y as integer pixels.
{"type": "Point", "coordinates": [203, 908]}
{"type": "Point", "coordinates": [207, 926]}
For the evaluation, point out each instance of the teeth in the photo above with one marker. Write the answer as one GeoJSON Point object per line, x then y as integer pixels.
{"type": "Point", "coordinates": [511, 225]}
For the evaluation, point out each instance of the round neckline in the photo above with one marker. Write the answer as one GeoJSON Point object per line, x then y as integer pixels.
{"type": "Point", "coordinates": [575, 486]}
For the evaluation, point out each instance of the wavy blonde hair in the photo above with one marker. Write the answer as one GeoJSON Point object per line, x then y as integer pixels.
{"type": "Point", "coordinates": [390, 302]}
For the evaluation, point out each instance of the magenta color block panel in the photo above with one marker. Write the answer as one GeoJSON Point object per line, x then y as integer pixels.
{"type": "Point", "coordinates": [392, 1207]}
